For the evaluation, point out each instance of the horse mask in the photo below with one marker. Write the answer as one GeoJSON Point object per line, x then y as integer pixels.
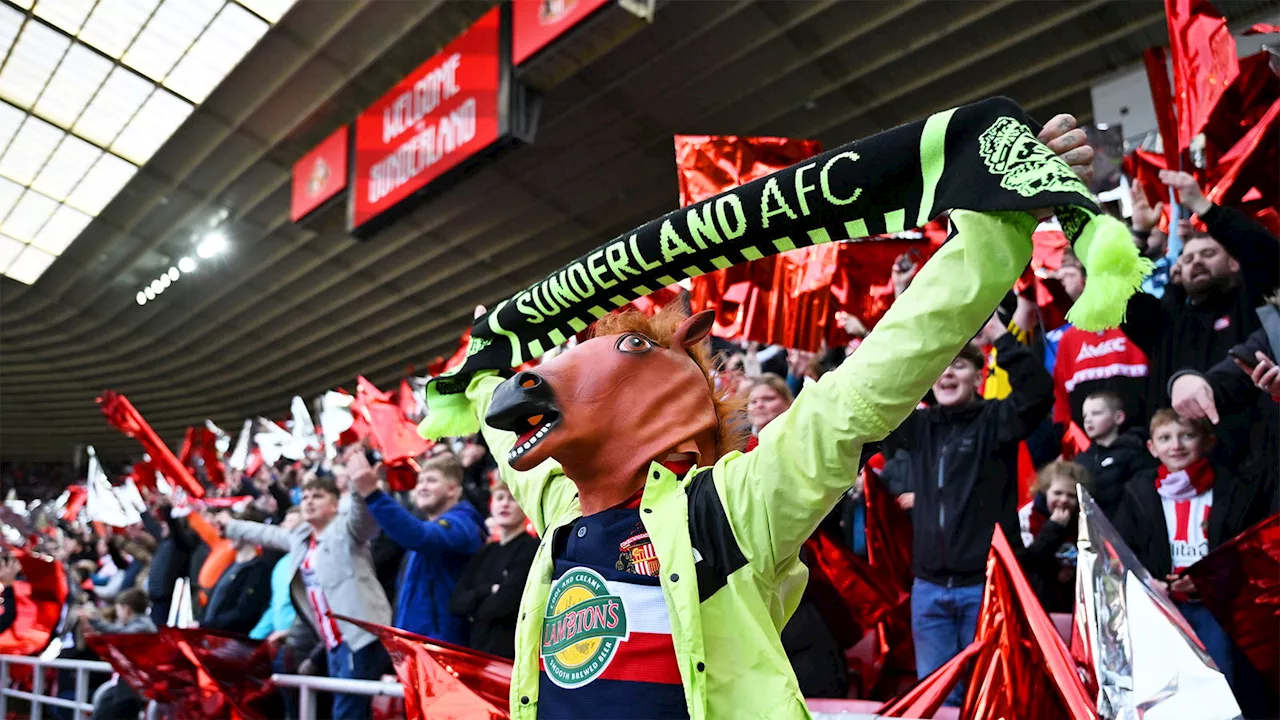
{"type": "Point", "coordinates": [611, 406]}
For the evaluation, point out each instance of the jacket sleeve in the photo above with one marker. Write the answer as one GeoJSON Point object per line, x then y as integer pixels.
{"type": "Point", "coordinates": [268, 536]}
{"type": "Point", "coordinates": [1032, 391]}
{"type": "Point", "coordinates": [544, 493]}
{"type": "Point", "coordinates": [455, 532]}
{"type": "Point", "coordinates": [1143, 319]}
{"type": "Point", "coordinates": [1233, 390]}
{"type": "Point", "coordinates": [1257, 250]}
{"type": "Point", "coordinates": [506, 602]}
{"type": "Point", "coordinates": [359, 521]}
{"type": "Point", "coordinates": [207, 532]}
{"type": "Point", "coordinates": [807, 458]}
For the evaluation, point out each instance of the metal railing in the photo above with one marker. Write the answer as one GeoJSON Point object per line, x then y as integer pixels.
{"type": "Point", "coordinates": [82, 706]}
{"type": "Point", "coordinates": [306, 685]}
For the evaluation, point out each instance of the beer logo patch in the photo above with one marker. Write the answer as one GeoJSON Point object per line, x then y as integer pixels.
{"type": "Point", "coordinates": [581, 629]}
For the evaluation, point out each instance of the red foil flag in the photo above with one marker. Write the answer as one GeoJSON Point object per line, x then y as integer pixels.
{"type": "Point", "coordinates": [1204, 63]}
{"type": "Point", "coordinates": [40, 598]}
{"type": "Point", "coordinates": [200, 674]}
{"type": "Point", "coordinates": [1162, 101]}
{"type": "Point", "coordinates": [707, 165]}
{"type": "Point", "coordinates": [1020, 665]}
{"type": "Point", "coordinates": [201, 442]}
{"type": "Point", "coordinates": [1239, 582]}
{"type": "Point", "coordinates": [443, 681]}
{"type": "Point", "coordinates": [121, 415]}
{"type": "Point", "coordinates": [79, 495]}
{"type": "Point", "coordinates": [393, 434]}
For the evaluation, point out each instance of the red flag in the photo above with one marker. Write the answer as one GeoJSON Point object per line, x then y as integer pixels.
{"type": "Point", "coordinates": [201, 674]}
{"type": "Point", "coordinates": [1237, 583]}
{"type": "Point", "coordinates": [1021, 666]}
{"type": "Point", "coordinates": [201, 442]}
{"type": "Point", "coordinates": [440, 366]}
{"type": "Point", "coordinates": [407, 400]}
{"type": "Point", "coordinates": [1162, 101]}
{"type": "Point", "coordinates": [443, 681]}
{"type": "Point", "coordinates": [40, 598]}
{"type": "Point", "coordinates": [1204, 63]}
{"type": "Point", "coordinates": [121, 414]}
{"type": "Point", "coordinates": [75, 503]}
{"type": "Point", "coordinates": [393, 434]}
{"type": "Point", "coordinates": [923, 700]}
{"type": "Point", "coordinates": [1262, 29]}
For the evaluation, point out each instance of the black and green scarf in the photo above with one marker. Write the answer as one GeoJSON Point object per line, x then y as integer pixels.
{"type": "Point", "coordinates": [981, 157]}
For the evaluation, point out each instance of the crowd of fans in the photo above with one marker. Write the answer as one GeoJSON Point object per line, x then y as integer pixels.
{"type": "Point", "coordinates": [1174, 415]}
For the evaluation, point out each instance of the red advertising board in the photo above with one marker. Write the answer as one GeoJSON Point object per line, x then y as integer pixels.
{"type": "Point", "coordinates": [444, 112]}
{"type": "Point", "coordinates": [319, 175]}
{"type": "Point", "coordinates": [535, 23]}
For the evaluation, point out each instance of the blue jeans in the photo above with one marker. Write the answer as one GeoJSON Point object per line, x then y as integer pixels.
{"type": "Point", "coordinates": [1215, 639]}
{"type": "Point", "coordinates": [367, 663]}
{"type": "Point", "coordinates": [943, 622]}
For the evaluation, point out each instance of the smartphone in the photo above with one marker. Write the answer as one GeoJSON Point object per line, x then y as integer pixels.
{"type": "Point", "coordinates": [1239, 354]}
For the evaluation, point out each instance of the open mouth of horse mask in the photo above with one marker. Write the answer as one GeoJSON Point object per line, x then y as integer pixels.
{"type": "Point", "coordinates": [982, 157]}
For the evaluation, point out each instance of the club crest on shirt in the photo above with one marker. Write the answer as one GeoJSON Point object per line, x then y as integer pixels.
{"type": "Point", "coordinates": [581, 628]}
{"type": "Point", "coordinates": [637, 556]}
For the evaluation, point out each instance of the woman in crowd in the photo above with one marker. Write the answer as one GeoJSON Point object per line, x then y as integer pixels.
{"type": "Point", "coordinates": [768, 398]}
{"type": "Point", "coordinates": [488, 594]}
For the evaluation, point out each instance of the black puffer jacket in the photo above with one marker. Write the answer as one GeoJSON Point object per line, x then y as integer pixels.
{"type": "Point", "coordinates": [964, 470]}
{"type": "Point", "coordinates": [1113, 467]}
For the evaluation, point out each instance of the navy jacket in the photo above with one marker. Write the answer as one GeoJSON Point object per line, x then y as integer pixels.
{"type": "Point", "coordinates": [438, 555]}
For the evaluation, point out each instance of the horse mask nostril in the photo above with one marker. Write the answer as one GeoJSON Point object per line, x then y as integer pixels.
{"type": "Point", "coordinates": [525, 395]}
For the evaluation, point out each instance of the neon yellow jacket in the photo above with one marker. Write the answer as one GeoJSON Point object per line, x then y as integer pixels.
{"type": "Point", "coordinates": [731, 659]}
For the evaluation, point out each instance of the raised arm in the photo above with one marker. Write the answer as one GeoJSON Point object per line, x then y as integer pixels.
{"type": "Point", "coordinates": [1032, 396]}
{"type": "Point", "coordinates": [543, 492]}
{"type": "Point", "coordinates": [268, 536]}
{"type": "Point", "coordinates": [776, 495]}
{"type": "Point", "coordinates": [456, 534]}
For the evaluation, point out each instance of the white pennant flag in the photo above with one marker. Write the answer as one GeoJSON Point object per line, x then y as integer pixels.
{"type": "Point", "coordinates": [223, 441]}
{"type": "Point", "coordinates": [240, 456]}
{"type": "Point", "coordinates": [335, 418]}
{"type": "Point", "coordinates": [103, 504]}
{"type": "Point", "coordinates": [273, 442]}
{"type": "Point", "coordinates": [304, 430]}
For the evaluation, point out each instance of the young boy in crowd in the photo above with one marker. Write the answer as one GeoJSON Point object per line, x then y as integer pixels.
{"type": "Point", "coordinates": [1113, 457]}
{"type": "Point", "coordinates": [1199, 505]}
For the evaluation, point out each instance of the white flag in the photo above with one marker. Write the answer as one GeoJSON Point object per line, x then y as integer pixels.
{"type": "Point", "coordinates": [103, 504]}
{"type": "Point", "coordinates": [304, 430]}
{"type": "Point", "coordinates": [240, 456]}
{"type": "Point", "coordinates": [335, 418]}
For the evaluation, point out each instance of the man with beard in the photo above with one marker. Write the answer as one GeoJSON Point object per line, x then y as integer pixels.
{"type": "Point", "coordinates": [1220, 279]}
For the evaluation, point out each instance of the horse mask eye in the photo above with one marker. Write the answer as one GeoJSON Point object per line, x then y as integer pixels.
{"type": "Point", "coordinates": [634, 344]}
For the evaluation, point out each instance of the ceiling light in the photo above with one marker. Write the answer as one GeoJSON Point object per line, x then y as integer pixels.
{"type": "Point", "coordinates": [156, 287]}
{"type": "Point", "coordinates": [212, 244]}
{"type": "Point", "coordinates": [165, 282]}
{"type": "Point", "coordinates": [187, 265]}
{"type": "Point", "coordinates": [9, 249]}
{"type": "Point", "coordinates": [30, 265]}
{"type": "Point", "coordinates": [151, 294]}
{"type": "Point", "coordinates": [174, 274]}
{"type": "Point", "coordinates": [141, 298]}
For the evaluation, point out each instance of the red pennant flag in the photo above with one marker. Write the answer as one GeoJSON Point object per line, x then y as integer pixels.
{"type": "Point", "coordinates": [75, 503]}
{"type": "Point", "coordinates": [1020, 665]}
{"type": "Point", "coordinates": [867, 595]}
{"type": "Point", "coordinates": [201, 442]}
{"type": "Point", "coordinates": [408, 401]}
{"type": "Point", "coordinates": [443, 681]}
{"type": "Point", "coordinates": [39, 597]}
{"type": "Point", "coordinates": [1262, 29]}
{"type": "Point", "coordinates": [200, 674]}
{"type": "Point", "coordinates": [1204, 62]}
{"type": "Point", "coordinates": [1237, 582]}
{"type": "Point", "coordinates": [440, 366]}
{"type": "Point", "coordinates": [393, 434]}
{"type": "Point", "coordinates": [121, 415]}
{"type": "Point", "coordinates": [923, 700]}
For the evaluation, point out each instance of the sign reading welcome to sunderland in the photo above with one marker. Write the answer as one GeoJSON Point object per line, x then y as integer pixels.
{"type": "Point", "coordinates": [441, 114]}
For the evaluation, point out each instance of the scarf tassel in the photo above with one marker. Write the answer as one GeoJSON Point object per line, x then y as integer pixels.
{"type": "Point", "coordinates": [1114, 270]}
